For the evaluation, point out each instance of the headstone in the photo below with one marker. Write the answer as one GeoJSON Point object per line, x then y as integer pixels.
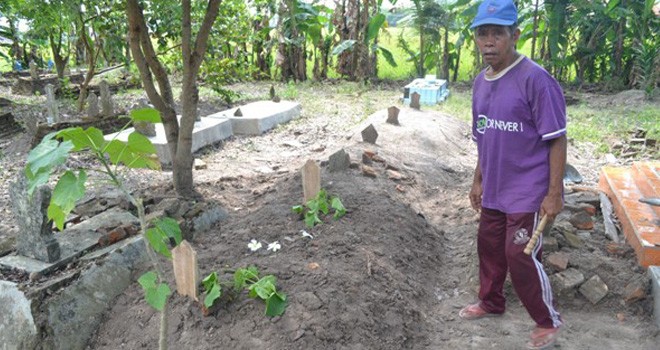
{"type": "Point", "coordinates": [36, 238]}
{"type": "Point", "coordinates": [311, 178]}
{"type": "Point", "coordinates": [145, 128]}
{"type": "Point", "coordinates": [51, 105]}
{"type": "Point", "coordinates": [34, 73]}
{"type": "Point", "coordinates": [339, 161]}
{"type": "Point", "coordinates": [92, 105]}
{"type": "Point", "coordinates": [186, 273]}
{"type": "Point", "coordinates": [393, 115]}
{"type": "Point", "coordinates": [107, 107]}
{"type": "Point", "coordinates": [369, 134]}
{"type": "Point", "coordinates": [414, 100]}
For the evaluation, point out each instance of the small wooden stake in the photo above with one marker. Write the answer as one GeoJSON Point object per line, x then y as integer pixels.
{"type": "Point", "coordinates": [311, 178]}
{"type": "Point", "coordinates": [184, 260]}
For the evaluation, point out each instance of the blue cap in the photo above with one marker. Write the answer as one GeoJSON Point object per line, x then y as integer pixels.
{"type": "Point", "coordinates": [498, 12]}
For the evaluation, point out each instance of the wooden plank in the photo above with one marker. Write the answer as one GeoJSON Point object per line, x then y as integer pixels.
{"type": "Point", "coordinates": [184, 260]}
{"type": "Point", "coordinates": [311, 178]}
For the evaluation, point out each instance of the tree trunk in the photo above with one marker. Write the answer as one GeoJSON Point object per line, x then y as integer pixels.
{"type": "Point", "coordinates": [445, 56]}
{"type": "Point", "coordinates": [147, 63]}
{"type": "Point", "coordinates": [56, 49]}
{"type": "Point", "coordinates": [536, 28]}
{"type": "Point", "coordinates": [618, 48]}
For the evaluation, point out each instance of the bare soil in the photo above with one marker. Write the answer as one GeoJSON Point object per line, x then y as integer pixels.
{"type": "Point", "coordinates": [391, 274]}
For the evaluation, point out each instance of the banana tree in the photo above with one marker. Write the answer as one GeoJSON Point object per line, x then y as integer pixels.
{"type": "Point", "coordinates": [359, 47]}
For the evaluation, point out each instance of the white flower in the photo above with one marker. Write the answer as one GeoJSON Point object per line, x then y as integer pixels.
{"type": "Point", "coordinates": [306, 234]}
{"type": "Point", "coordinates": [275, 246]}
{"type": "Point", "coordinates": [254, 245]}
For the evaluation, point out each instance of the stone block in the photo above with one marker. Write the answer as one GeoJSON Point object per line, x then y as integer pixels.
{"type": "Point", "coordinates": [17, 327]}
{"type": "Point", "coordinates": [567, 280]}
{"type": "Point", "coordinates": [550, 244]}
{"type": "Point", "coordinates": [594, 289]}
{"type": "Point", "coordinates": [572, 239]}
{"type": "Point", "coordinates": [414, 100]}
{"type": "Point", "coordinates": [393, 115]}
{"type": "Point", "coordinates": [369, 134]}
{"type": "Point", "coordinates": [259, 117]}
{"type": "Point", "coordinates": [339, 161]}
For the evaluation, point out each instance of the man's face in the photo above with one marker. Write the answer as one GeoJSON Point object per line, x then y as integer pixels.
{"type": "Point", "coordinates": [497, 45]}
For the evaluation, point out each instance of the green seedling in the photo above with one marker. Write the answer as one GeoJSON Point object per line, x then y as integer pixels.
{"type": "Point", "coordinates": [212, 289]}
{"type": "Point", "coordinates": [263, 288]}
{"type": "Point", "coordinates": [317, 205]}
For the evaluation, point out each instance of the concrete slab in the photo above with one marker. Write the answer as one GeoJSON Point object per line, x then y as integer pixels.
{"type": "Point", "coordinates": [259, 117]}
{"type": "Point", "coordinates": [24, 263]}
{"type": "Point", "coordinates": [206, 132]}
{"type": "Point", "coordinates": [654, 272]}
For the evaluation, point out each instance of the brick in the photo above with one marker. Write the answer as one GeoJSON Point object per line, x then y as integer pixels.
{"type": "Point", "coordinates": [558, 261]}
{"type": "Point", "coordinates": [581, 207]}
{"type": "Point", "coordinates": [635, 291]}
{"type": "Point", "coordinates": [395, 175]}
{"type": "Point", "coordinates": [594, 289]}
{"type": "Point", "coordinates": [368, 171]}
{"type": "Point", "coordinates": [582, 221]}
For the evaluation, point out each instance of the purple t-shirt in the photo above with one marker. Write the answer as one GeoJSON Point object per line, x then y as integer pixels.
{"type": "Point", "coordinates": [514, 115]}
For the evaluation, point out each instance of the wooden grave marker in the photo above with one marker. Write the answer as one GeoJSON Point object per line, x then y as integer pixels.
{"type": "Point", "coordinates": [184, 260]}
{"type": "Point", "coordinates": [311, 178]}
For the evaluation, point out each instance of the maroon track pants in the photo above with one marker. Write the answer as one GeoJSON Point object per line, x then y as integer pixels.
{"type": "Point", "coordinates": [500, 243]}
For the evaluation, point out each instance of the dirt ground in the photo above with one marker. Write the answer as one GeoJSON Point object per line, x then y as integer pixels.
{"type": "Point", "coordinates": [392, 274]}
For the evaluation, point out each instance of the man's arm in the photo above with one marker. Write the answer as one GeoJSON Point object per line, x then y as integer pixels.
{"type": "Point", "coordinates": [553, 201]}
{"type": "Point", "coordinates": [477, 190]}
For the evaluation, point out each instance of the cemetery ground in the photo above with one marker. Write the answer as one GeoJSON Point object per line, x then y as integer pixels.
{"type": "Point", "coordinates": [395, 270]}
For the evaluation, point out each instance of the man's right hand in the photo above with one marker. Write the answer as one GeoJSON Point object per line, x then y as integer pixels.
{"type": "Point", "coordinates": [475, 195]}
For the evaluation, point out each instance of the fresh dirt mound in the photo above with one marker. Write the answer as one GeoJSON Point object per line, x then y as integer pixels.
{"type": "Point", "coordinates": [391, 274]}
{"type": "Point", "coordinates": [365, 281]}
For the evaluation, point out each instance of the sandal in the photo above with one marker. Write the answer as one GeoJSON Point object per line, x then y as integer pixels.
{"type": "Point", "coordinates": [475, 312]}
{"type": "Point", "coordinates": [543, 338]}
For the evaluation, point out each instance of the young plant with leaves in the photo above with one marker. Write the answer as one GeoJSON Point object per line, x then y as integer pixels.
{"type": "Point", "coordinates": [261, 287]}
{"type": "Point", "coordinates": [317, 205]}
{"type": "Point", "coordinates": [138, 152]}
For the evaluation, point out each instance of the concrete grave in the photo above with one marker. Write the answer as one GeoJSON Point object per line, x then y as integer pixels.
{"type": "Point", "coordinates": [92, 105]}
{"type": "Point", "coordinates": [73, 242]}
{"type": "Point", "coordinates": [258, 117]}
{"type": "Point", "coordinates": [35, 315]}
{"type": "Point", "coordinates": [206, 132]}
{"type": "Point", "coordinates": [53, 115]}
{"type": "Point", "coordinates": [369, 134]}
{"type": "Point", "coordinates": [311, 178]}
{"type": "Point", "coordinates": [107, 106]}
{"type": "Point", "coordinates": [35, 239]}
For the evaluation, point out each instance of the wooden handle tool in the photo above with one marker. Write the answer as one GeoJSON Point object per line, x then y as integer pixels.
{"type": "Point", "coordinates": [535, 237]}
